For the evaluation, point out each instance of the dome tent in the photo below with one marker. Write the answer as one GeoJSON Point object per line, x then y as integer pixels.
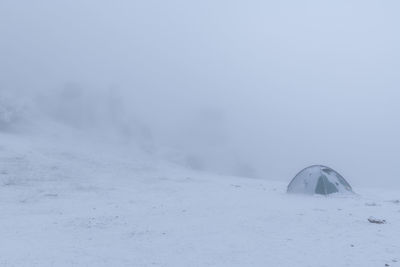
{"type": "Point", "coordinates": [320, 180]}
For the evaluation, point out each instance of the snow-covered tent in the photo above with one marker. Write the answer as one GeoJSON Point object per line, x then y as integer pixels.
{"type": "Point", "coordinates": [320, 180]}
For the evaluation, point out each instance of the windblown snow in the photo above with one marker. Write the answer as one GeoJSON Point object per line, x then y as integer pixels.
{"type": "Point", "coordinates": [83, 204]}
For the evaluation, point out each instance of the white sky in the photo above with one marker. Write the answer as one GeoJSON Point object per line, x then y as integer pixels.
{"type": "Point", "coordinates": [275, 85]}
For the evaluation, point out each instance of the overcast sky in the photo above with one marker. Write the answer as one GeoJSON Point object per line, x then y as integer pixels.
{"type": "Point", "coordinates": [254, 88]}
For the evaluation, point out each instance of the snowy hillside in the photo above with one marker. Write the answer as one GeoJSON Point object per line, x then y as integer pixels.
{"type": "Point", "coordinates": [165, 133]}
{"type": "Point", "coordinates": [79, 206]}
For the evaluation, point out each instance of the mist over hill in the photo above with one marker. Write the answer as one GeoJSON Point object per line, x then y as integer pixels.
{"type": "Point", "coordinates": [257, 89]}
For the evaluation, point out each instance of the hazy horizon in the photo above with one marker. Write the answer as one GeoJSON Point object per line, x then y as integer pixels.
{"type": "Point", "coordinates": [255, 88]}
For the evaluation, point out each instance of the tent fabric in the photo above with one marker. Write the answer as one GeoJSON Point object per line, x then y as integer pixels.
{"type": "Point", "coordinates": [319, 180]}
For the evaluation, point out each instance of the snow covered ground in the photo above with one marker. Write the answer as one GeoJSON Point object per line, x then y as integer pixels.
{"type": "Point", "coordinates": [75, 205]}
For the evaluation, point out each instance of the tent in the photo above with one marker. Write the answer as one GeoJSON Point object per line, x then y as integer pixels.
{"type": "Point", "coordinates": [320, 180]}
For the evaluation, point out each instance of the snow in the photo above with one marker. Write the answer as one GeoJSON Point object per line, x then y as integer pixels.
{"type": "Point", "coordinates": [74, 204]}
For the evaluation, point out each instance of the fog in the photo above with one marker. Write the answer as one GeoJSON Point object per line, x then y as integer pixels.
{"type": "Point", "coordinates": [252, 88]}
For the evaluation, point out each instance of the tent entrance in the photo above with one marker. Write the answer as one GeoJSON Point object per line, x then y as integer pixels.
{"type": "Point", "coordinates": [325, 187]}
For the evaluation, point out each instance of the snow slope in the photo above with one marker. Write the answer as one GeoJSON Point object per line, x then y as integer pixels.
{"type": "Point", "coordinates": [82, 205]}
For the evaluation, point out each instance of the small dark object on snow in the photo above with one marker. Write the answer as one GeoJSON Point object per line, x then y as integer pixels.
{"type": "Point", "coordinates": [371, 204]}
{"type": "Point", "coordinates": [373, 220]}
